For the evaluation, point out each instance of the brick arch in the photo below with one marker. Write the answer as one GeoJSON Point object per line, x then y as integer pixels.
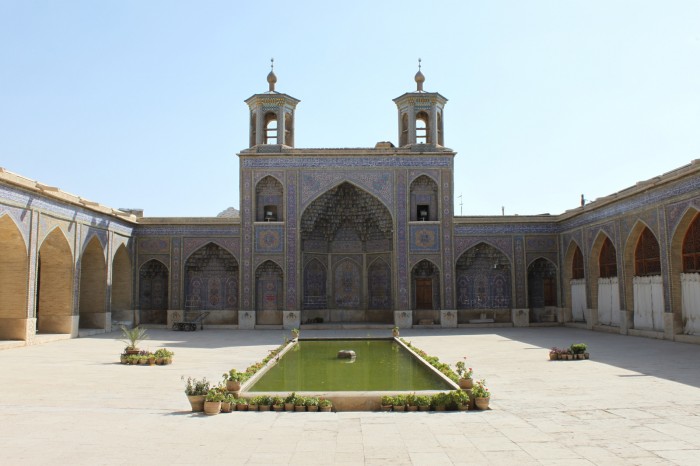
{"type": "Point", "coordinates": [54, 304]}
{"type": "Point", "coordinates": [629, 260]}
{"type": "Point", "coordinates": [594, 267]}
{"type": "Point", "coordinates": [690, 216]}
{"type": "Point", "coordinates": [14, 278]}
{"type": "Point", "coordinates": [93, 285]}
{"type": "Point", "coordinates": [122, 278]}
{"type": "Point", "coordinates": [568, 275]}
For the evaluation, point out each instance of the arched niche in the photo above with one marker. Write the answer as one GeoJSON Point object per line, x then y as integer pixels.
{"type": "Point", "coordinates": [122, 290]}
{"type": "Point", "coordinates": [269, 293]}
{"type": "Point", "coordinates": [425, 299]}
{"type": "Point", "coordinates": [211, 279]}
{"type": "Point", "coordinates": [93, 286]}
{"type": "Point", "coordinates": [645, 293]}
{"type": "Point", "coordinates": [542, 290]}
{"type": "Point", "coordinates": [55, 274]}
{"type": "Point", "coordinates": [424, 199]}
{"type": "Point", "coordinates": [315, 279]}
{"type": "Point", "coordinates": [483, 275]}
{"type": "Point", "coordinates": [153, 292]}
{"type": "Point", "coordinates": [604, 284]}
{"type": "Point", "coordinates": [14, 276]}
{"type": "Point", "coordinates": [575, 282]}
{"type": "Point", "coordinates": [685, 281]}
{"type": "Point", "coordinates": [269, 200]}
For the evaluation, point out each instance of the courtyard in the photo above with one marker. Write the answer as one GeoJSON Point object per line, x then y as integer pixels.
{"type": "Point", "coordinates": [636, 402]}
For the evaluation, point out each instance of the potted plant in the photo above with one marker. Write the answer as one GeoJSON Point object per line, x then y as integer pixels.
{"type": "Point", "coordinates": [132, 337]}
{"type": "Point", "coordinates": [481, 394]}
{"type": "Point", "coordinates": [144, 357]}
{"type": "Point", "coordinates": [264, 403]}
{"type": "Point", "coordinates": [411, 405]}
{"type": "Point", "coordinates": [123, 357]}
{"type": "Point", "coordinates": [299, 404]}
{"type": "Point", "coordinates": [295, 333]}
{"type": "Point", "coordinates": [241, 404]}
{"type": "Point", "coordinates": [227, 403]}
{"type": "Point", "coordinates": [440, 401]}
{"type": "Point", "coordinates": [579, 350]}
{"type": "Point", "coordinates": [278, 403]}
{"type": "Point", "coordinates": [461, 399]}
{"type": "Point", "coordinates": [325, 406]}
{"type": "Point", "coordinates": [385, 402]}
{"type": "Point", "coordinates": [289, 402]}
{"type": "Point", "coordinates": [234, 379]}
{"type": "Point", "coordinates": [253, 404]}
{"type": "Point", "coordinates": [554, 353]}
{"type": "Point", "coordinates": [395, 332]}
{"type": "Point", "coordinates": [312, 404]}
{"type": "Point", "coordinates": [164, 356]}
{"type": "Point", "coordinates": [212, 402]}
{"type": "Point", "coordinates": [423, 402]}
{"type": "Point", "coordinates": [133, 359]}
{"type": "Point", "coordinates": [400, 403]}
{"type": "Point", "coordinates": [196, 390]}
{"type": "Point", "coordinates": [465, 375]}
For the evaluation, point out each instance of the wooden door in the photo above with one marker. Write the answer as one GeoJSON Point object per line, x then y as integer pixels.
{"type": "Point", "coordinates": [424, 293]}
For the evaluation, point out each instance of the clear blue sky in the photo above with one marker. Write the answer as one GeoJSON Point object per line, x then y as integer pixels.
{"type": "Point", "coordinates": [140, 103]}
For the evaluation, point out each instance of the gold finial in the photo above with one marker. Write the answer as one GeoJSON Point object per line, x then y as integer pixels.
{"type": "Point", "coordinates": [420, 79]}
{"type": "Point", "coordinates": [271, 78]}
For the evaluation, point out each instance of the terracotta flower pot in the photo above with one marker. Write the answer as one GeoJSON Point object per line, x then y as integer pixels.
{"type": "Point", "coordinates": [197, 402]}
{"type": "Point", "coordinates": [263, 407]}
{"type": "Point", "coordinates": [278, 408]}
{"type": "Point", "coordinates": [233, 386]}
{"type": "Point", "coordinates": [212, 407]}
{"type": "Point", "coordinates": [482, 403]}
{"type": "Point", "coordinates": [252, 407]}
{"type": "Point", "coordinates": [225, 407]}
{"type": "Point", "coordinates": [312, 409]}
{"type": "Point", "coordinates": [466, 383]}
{"type": "Point", "coordinates": [300, 409]}
{"type": "Point", "coordinates": [325, 409]}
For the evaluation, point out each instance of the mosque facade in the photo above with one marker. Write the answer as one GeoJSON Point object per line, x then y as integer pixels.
{"type": "Point", "coordinates": [352, 237]}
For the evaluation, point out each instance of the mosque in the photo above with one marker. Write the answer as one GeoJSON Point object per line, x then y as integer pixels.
{"type": "Point", "coordinates": [352, 237]}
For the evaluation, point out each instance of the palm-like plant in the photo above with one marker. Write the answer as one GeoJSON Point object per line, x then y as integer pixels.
{"type": "Point", "coordinates": [132, 337]}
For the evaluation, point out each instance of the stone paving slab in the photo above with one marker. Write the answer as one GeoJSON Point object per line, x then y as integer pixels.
{"type": "Point", "coordinates": [636, 401]}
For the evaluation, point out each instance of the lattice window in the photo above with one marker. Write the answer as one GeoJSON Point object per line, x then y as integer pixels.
{"type": "Point", "coordinates": [607, 261]}
{"type": "Point", "coordinates": [647, 258]}
{"type": "Point", "coordinates": [577, 265]}
{"type": "Point", "coordinates": [691, 247]}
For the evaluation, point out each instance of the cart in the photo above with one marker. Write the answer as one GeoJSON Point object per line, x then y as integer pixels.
{"type": "Point", "coordinates": [192, 317]}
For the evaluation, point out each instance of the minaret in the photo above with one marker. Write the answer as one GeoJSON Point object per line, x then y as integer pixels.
{"type": "Point", "coordinates": [272, 115]}
{"type": "Point", "coordinates": [420, 115]}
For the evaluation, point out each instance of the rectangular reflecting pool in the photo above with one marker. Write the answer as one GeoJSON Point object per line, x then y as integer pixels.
{"type": "Point", "coordinates": [380, 365]}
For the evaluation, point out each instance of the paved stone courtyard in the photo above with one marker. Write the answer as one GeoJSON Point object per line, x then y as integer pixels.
{"type": "Point", "coordinates": [635, 402]}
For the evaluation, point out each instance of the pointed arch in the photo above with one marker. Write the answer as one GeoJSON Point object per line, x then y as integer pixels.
{"type": "Point", "coordinates": [211, 279]}
{"type": "Point", "coordinates": [542, 289]}
{"type": "Point", "coordinates": [54, 303]}
{"type": "Point", "coordinates": [315, 280]}
{"type": "Point", "coordinates": [685, 276]}
{"type": "Point", "coordinates": [483, 276]}
{"type": "Point", "coordinates": [153, 292]}
{"type": "Point", "coordinates": [14, 279]}
{"type": "Point", "coordinates": [404, 130]}
{"type": "Point", "coordinates": [603, 281]}
{"type": "Point", "coordinates": [269, 200]}
{"type": "Point", "coordinates": [643, 283]}
{"type": "Point", "coordinates": [347, 284]}
{"type": "Point", "coordinates": [289, 129]}
{"type": "Point", "coordinates": [93, 285]}
{"type": "Point", "coordinates": [425, 280]}
{"type": "Point", "coordinates": [122, 301]}
{"type": "Point", "coordinates": [424, 199]}
{"type": "Point", "coordinates": [379, 285]}
{"type": "Point", "coordinates": [253, 128]}
{"type": "Point", "coordinates": [270, 127]}
{"type": "Point", "coordinates": [269, 295]}
{"type": "Point", "coordinates": [575, 282]}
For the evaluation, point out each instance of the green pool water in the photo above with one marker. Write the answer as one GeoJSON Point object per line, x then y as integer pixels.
{"type": "Point", "coordinates": [313, 365]}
